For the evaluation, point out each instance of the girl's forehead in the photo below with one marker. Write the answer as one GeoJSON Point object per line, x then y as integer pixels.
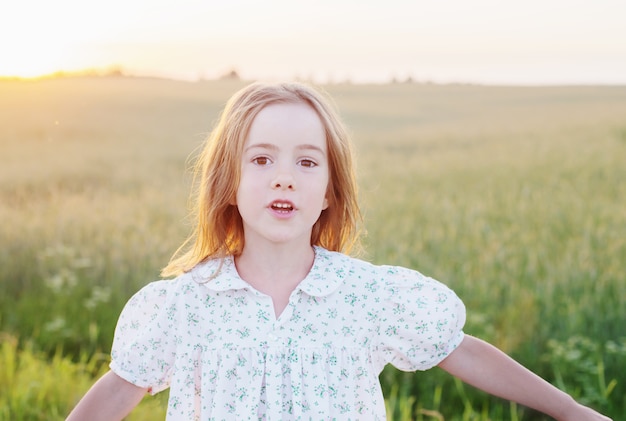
{"type": "Point", "coordinates": [286, 111]}
{"type": "Point", "coordinates": [281, 121]}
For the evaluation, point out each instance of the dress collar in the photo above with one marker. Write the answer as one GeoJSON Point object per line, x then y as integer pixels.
{"type": "Point", "coordinates": [325, 276]}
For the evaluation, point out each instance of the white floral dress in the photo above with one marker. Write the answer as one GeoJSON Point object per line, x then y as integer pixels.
{"type": "Point", "coordinates": [216, 343]}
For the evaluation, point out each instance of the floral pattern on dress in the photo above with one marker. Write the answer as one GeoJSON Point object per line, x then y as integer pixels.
{"type": "Point", "coordinates": [215, 341]}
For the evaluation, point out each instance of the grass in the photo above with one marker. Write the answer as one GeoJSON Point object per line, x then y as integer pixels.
{"type": "Point", "coordinates": [36, 387]}
{"type": "Point", "coordinates": [512, 196]}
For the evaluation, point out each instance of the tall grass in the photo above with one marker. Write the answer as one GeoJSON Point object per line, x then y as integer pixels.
{"type": "Point", "coordinates": [36, 387]}
{"type": "Point", "coordinates": [512, 196]}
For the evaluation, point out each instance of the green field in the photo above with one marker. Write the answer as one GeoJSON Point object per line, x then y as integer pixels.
{"type": "Point", "coordinates": [513, 196]}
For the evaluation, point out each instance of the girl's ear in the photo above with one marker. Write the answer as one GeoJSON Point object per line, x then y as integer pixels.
{"type": "Point", "coordinates": [325, 204]}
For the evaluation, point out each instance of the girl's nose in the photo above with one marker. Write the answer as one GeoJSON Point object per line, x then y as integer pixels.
{"type": "Point", "coordinates": [284, 181]}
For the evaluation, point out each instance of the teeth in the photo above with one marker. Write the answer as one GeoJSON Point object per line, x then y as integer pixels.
{"type": "Point", "coordinates": [282, 206]}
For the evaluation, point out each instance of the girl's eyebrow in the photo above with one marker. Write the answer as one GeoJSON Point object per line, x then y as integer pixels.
{"type": "Point", "coordinates": [271, 146]}
{"type": "Point", "coordinates": [261, 146]}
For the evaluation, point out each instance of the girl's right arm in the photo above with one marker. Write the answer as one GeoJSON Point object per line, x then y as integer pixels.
{"type": "Point", "coordinates": [111, 398]}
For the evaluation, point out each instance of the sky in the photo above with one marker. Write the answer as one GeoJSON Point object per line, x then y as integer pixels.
{"type": "Point", "coordinates": [455, 41]}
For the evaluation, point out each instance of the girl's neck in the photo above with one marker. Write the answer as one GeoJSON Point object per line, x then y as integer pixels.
{"type": "Point", "coordinates": [275, 271]}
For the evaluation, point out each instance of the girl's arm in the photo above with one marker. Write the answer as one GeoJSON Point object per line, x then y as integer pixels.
{"type": "Point", "coordinates": [110, 398]}
{"type": "Point", "coordinates": [487, 368]}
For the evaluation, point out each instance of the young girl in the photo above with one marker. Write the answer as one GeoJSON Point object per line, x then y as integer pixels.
{"type": "Point", "coordinates": [267, 319]}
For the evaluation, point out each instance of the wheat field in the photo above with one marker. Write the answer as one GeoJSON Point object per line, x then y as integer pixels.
{"type": "Point", "coordinates": [513, 196]}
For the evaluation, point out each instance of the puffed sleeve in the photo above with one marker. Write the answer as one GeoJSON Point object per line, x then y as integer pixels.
{"type": "Point", "coordinates": [421, 320]}
{"type": "Point", "coordinates": [144, 342]}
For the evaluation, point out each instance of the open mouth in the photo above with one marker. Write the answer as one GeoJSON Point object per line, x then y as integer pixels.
{"type": "Point", "coordinates": [282, 207]}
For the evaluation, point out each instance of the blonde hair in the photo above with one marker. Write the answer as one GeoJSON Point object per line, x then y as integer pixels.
{"type": "Point", "coordinates": [219, 227]}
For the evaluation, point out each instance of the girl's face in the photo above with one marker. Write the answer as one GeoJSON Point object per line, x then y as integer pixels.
{"type": "Point", "coordinates": [284, 175]}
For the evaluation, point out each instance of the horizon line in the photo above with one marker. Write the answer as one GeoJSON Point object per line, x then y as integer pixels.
{"type": "Point", "coordinates": [233, 75]}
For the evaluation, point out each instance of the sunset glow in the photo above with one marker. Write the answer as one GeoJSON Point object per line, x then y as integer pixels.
{"type": "Point", "coordinates": [483, 41]}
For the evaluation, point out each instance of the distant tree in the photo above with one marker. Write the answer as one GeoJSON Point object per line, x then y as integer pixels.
{"type": "Point", "coordinates": [114, 71]}
{"type": "Point", "coordinates": [231, 75]}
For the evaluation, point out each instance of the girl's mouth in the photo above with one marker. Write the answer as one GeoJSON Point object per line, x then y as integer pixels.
{"type": "Point", "coordinates": [282, 207]}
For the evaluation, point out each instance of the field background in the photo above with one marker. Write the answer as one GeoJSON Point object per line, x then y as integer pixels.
{"type": "Point", "coordinates": [513, 196]}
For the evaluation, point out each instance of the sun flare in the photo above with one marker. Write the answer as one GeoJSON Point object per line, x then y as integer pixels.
{"type": "Point", "coordinates": [37, 38]}
{"type": "Point", "coordinates": [27, 60]}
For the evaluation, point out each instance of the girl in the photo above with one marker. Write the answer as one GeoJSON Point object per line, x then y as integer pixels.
{"type": "Point", "coordinates": [267, 319]}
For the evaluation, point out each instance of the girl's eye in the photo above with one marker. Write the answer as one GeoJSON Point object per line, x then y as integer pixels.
{"type": "Point", "coordinates": [261, 160]}
{"type": "Point", "coordinates": [308, 163]}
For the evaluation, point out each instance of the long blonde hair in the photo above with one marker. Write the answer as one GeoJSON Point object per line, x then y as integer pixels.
{"type": "Point", "coordinates": [219, 228]}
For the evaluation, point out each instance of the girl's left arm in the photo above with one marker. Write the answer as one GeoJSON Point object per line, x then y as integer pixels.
{"type": "Point", "coordinates": [484, 366]}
